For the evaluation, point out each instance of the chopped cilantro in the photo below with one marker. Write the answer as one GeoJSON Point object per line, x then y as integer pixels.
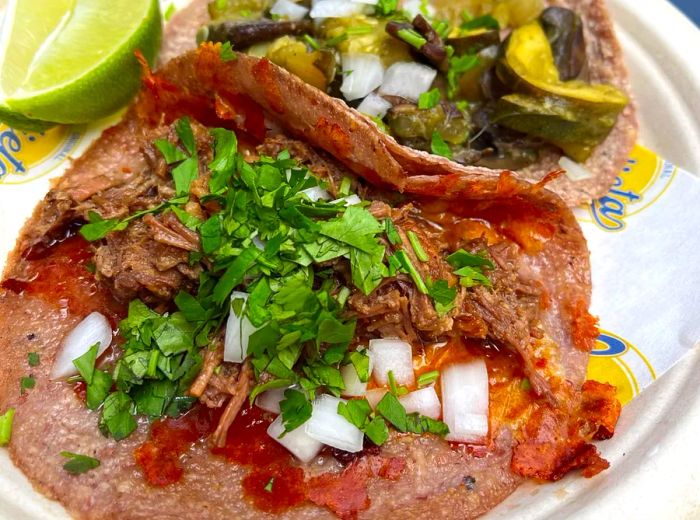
{"type": "Point", "coordinates": [525, 385]}
{"type": "Point", "coordinates": [226, 52]}
{"type": "Point", "coordinates": [270, 483]}
{"type": "Point", "coordinates": [461, 258]}
{"type": "Point", "coordinates": [33, 359]}
{"type": "Point", "coordinates": [86, 363]}
{"type": "Point", "coordinates": [393, 411]}
{"type": "Point", "coordinates": [482, 22]}
{"type": "Point", "coordinates": [429, 99]}
{"type": "Point", "coordinates": [405, 262]}
{"type": "Point", "coordinates": [443, 295]}
{"type": "Point", "coordinates": [295, 408]}
{"type": "Point", "coordinates": [360, 361]}
{"type": "Point", "coordinates": [458, 66]}
{"type": "Point", "coordinates": [428, 378]}
{"type": "Point", "coordinates": [438, 146]}
{"type": "Point", "coordinates": [386, 7]}
{"type": "Point", "coordinates": [78, 464]}
{"type": "Point", "coordinates": [313, 42]}
{"type": "Point", "coordinates": [393, 387]}
{"type": "Point", "coordinates": [117, 415]}
{"type": "Point", "coordinates": [26, 383]}
{"type": "Point", "coordinates": [391, 233]}
{"type": "Point", "coordinates": [417, 246]}
{"type": "Point", "coordinates": [6, 426]}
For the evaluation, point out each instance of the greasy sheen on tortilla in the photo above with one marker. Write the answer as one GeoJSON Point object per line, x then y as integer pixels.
{"type": "Point", "coordinates": [541, 433]}
{"type": "Point", "coordinates": [606, 65]}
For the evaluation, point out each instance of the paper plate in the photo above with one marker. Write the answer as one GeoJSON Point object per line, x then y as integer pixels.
{"type": "Point", "coordinates": [655, 463]}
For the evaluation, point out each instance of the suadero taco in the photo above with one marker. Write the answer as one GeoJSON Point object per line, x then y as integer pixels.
{"type": "Point", "coordinates": [528, 86]}
{"type": "Point", "coordinates": [245, 301]}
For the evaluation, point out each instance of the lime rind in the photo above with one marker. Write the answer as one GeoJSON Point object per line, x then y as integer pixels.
{"type": "Point", "coordinates": [99, 91]}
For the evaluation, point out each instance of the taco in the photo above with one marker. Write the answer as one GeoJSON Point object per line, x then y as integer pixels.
{"type": "Point", "coordinates": [245, 301]}
{"type": "Point", "coordinates": [530, 87]}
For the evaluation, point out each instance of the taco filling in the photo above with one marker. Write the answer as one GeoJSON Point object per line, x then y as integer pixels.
{"type": "Point", "coordinates": [224, 304]}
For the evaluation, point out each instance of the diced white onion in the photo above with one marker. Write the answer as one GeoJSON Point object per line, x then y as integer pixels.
{"type": "Point", "coordinates": [350, 200]}
{"type": "Point", "coordinates": [362, 73]}
{"type": "Point", "coordinates": [465, 401]}
{"type": "Point", "coordinates": [238, 332]}
{"type": "Point", "coordinates": [424, 401]}
{"type": "Point", "coordinates": [414, 8]}
{"type": "Point", "coordinates": [297, 441]}
{"type": "Point", "coordinates": [93, 329]}
{"type": "Point", "coordinates": [575, 171]}
{"type": "Point", "coordinates": [366, 2]}
{"type": "Point", "coordinates": [374, 106]}
{"type": "Point", "coordinates": [353, 386]}
{"type": "Point", "coordinates": [374, 396]}
{"type": "Point", "coordinates": [269, 400]}
{"type": "Point", "coordinates": [335, 9]}
{"type": "Point", "coordinates": [407, 80]}
{"type": "Point", "coordinates": [394, 355]}
{"type": "Point", "coordinates": [289, 10]}
{"type": "Point", "coordinates": [316, 193]}
{"type": "Point", "coordinates": [326, 425]}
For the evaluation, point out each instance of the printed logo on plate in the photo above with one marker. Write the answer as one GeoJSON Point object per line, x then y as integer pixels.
{"type": "Point", "coordinates": [644, 179]}
{"type": "Point", "coordinates": [25, 156]}
{"type": "Point", "coordinates": [616, 361]}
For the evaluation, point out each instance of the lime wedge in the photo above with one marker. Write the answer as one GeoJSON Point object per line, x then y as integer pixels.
{"type": "Point", "coordinates": [72, 61]}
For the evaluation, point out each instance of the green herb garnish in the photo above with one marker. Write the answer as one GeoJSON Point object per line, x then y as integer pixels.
{"type": "Point", "coordinates": [33, 359]}
{"type": "Point", "coordinates": [429, 99]}
{"type": "Point", "coordinates": [26, 383]}
{"type": "Point", "coordinates": [226, 52]}
{"type": "Point", "coordinates": [439, 147]}
{"type": "Point", "coordinates": [78, 463]}
{"type": "Point", "coordinates": [428, 378]}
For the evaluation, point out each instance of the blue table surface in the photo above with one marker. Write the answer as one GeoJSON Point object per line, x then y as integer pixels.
{"type": "Point", "coordinates": [691, 8]}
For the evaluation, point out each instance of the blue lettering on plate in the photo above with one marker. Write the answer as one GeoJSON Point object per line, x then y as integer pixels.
{"type": "Point", "coordinates": [9, 146]}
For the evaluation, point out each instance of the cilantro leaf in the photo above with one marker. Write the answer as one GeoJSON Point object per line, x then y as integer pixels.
{"type": "Point", "coordinates": [443, 295]}
{"type": "Point", "coordinates": [360, 361]}
{"type": "Point", "coordinates": [482, 22]}
{"type": "Point", "coordinates": [184, 173]}
{"type": "Point", "coordinates": [97, 227]}
{"type": "Point", "coordinates": [86, 363]}
{"type": "Point", "coordinates": [295, 408]}
{"type": "Point", "coordinates": [429, 99]}
{"type": "Point", "coordinates": [79, 463]}
{"type": "Point", "coordinates": [356, 411]}
{"type": "Point", "coordinates": [458, 66]}
{"type": "Point", "coordinates": [377, 431]}
{"type": "Point", "coordinates": [438, 146]}
{"type": "Point", "coordinates": [461, 258]}
{"type": "Point", "coordinates": [98, 389]}
{"type": "Point", "coordinates": [472, 276]}
{"type": "Point", "coordinates": [183, 129]}
{"type": "Point", "coordinates": [393, 411]}
{"type": "Point", "coordinates": [33, 359]}
{"type": "Point", "coordinates": [420, 424]}
{"type": "Point", "coordinates": [117, 418]}
{"type": "Point", "coordinates": [356, 228]}
{"type": "Point", "coordinates": [26, 383]}
{"type": "Point", "coordinates": [170, 152]}
{"type": "Point", "coordinates": [386, 7]}
{"type": "Point", "coordinates": [226, 52]}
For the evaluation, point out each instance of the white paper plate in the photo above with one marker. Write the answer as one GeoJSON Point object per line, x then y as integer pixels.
{"type": "Point", "coordinates": [655, 461]}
